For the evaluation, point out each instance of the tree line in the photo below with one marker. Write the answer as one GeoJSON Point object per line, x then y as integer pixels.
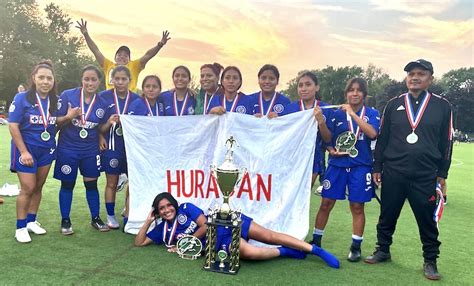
{"type": "Point", "coordinates": [28, 34]}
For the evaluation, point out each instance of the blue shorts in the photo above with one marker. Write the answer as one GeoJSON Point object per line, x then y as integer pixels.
{"type": "Point", "coordinates": [68, 162]}
{"type": "Point", "coordinates": [42, 156]}
{"type": "Point", "coordinates": [113, 165]}
{"type": "Point", "coordinates": [224, 234]}
{"type": "Point", "coordinates": [357, 180]}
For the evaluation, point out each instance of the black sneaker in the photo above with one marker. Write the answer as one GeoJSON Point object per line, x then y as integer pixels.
{"type": "Point", "coordinates": [354, 254]}
{"type": "Point", "coordinates": [66, 227]}
{"type": "Point", "coordinates": [378, 256]}
{"type": "Point", "coordinates": [98, 224]}
{"type": "Point", "coordinates": [431, 270]}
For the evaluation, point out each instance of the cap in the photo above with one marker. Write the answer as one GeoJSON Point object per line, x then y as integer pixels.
{"type": "Point", "coordinates": [123, 48]}
{"type": "Point", "coordinates": [424, 64]}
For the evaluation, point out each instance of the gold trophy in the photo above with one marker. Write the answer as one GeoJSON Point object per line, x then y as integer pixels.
{"type": "Point", "coordinates": [227, 175]}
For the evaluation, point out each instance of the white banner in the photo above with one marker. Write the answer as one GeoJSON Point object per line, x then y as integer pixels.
{"type": "Point", "coordinates": [174, 154]}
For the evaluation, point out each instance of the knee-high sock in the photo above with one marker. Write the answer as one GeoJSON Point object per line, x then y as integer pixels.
{"type": "Point", "coordinates": [65, 198]}
{"type": "Point", "coordinates": [93, 200]}
{"type": "Point", "coordinates": [329, 258]}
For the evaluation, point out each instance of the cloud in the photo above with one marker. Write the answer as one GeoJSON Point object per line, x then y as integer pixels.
{"type": "Point", "coordinates": [451, 33]}
{"type": "Point", "coordinates": [425, 7]}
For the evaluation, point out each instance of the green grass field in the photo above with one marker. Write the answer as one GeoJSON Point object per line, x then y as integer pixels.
{"type": "Point", "coordinates": [90, 257]}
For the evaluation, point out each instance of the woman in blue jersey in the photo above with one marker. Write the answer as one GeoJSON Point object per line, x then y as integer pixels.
{"type": "Point", "coordinates": [210, 88]}
{"type": "Point", "coordinates": [79, 114]}
{"type": "Point", "coordinates": [193, 222]}
{"type": "Point", "coordinates": [149, 104]}
{"type": "Point", "coordinates": [113, 160]}
{"type": "Point", "coordinates": [308, 87]}
{"type": "Point", "coordinates": [180, 100]}
{"type": "Point", "coordinates": [33, 130]}
{"type": "Point", "coordinates": [232, 100]}
{"type": "Point", "coordinates": [351, 170]}
{"type": "Point", "coordinates": [269, 103]}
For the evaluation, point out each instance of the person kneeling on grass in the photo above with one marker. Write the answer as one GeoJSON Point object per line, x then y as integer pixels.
{"type": "Point", "coordinates": [169, 229]}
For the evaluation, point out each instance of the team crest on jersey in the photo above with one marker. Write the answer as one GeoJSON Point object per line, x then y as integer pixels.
{"type": "Point", "coordinates": [66, 169]}
{"type": "Point", "coordinates": [366, 118]}
{"type": "Point", "coordinates": [114, 163]}
{"type": "Point", "coordinates": [278, 108]}
{"type": "Point", "coordinates": [241, 109]}
{"type": "Point", "coordinates": [12, 107]}
{"type": "Point", "coordinates": [182, 219]}
{"type": "Point", "coordinates": [326, 184]}
{"type": "Point", "coordinates": [190, 110]}
{"type": "Point", "coordinates": [99, 112]}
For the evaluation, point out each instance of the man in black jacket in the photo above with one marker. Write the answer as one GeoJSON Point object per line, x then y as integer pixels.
{"type": "Point", "coordinates": [412, 155]}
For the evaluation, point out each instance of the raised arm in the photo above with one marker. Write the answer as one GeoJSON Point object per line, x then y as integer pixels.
{"type": "Point", "coordinates": [153, 51]}
{"type": "Point", "coordinates": [82, 26]}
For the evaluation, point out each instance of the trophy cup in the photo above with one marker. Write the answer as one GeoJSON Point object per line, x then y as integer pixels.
{"type": "Point", "coordinates": [345, 143]}
{"type": "Point", "coordinates": [227, 175]}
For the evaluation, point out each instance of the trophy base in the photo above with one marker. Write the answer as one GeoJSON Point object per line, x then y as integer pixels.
{"type": "Point", "coordinates": [224, 270]}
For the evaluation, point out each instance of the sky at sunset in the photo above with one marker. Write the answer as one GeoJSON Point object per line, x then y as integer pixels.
{"type": "Point", "coordinates": [293, 35]}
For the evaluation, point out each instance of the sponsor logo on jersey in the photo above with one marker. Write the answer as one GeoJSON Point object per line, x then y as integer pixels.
{"type": "Point", "coordinates": [401, 107]}
{"type": "Point", "coordinates": [66, 169]}
{"type": "Point", "coordinates": [241, 109]}
{"type": "Point", "coordinates": [12, 107]}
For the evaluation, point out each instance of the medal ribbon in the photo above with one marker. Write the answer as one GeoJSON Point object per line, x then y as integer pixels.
{"type": "Point", "coordinates": [42, 113]}
{"type": "Point", "coordinates": [234, 103]}
{"type": "Point", "coordinates": [173, 231]}
{"type": "Point", "coordinates": [207, 101]}
{"type": "Point", "coordinates": [413, 118]}
{"type": "Point", "coordinates": [302, 107]}
{"type": "Point", "coordinates": [351, 124]}
{"type": "Point", "coordinates": [272, 102]}
{"type": "Point", "coordinates": [85, 116]}
{"type": "Point", "coordinates": [175, 101]}
{"type": "Point", "coordinates": [150, 112]}
{"type": "Point", "coordinates": [117, 106]}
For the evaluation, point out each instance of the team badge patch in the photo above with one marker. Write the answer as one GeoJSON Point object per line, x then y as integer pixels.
{"type": "Point", "coordinates": [99, 112]}
{"type": "Point", "coordinates": [241, 109]}
{"type": "Point", "coordinates": [66, 169]}
{"type": "Point", "coordinates": [114, 163]}
{"type": "Point", "coordinates": [182, 219]}
{"type": "Point", "coordinates": [366, 119]}
{"type": "Point", "coordinates": [12, 107]}
{"type": "Point", "coordinates": [190, 110]}
{"type": "Point", "coordinates": [278, 108]}
{"type": "Point", "coordinates": [326, 184]}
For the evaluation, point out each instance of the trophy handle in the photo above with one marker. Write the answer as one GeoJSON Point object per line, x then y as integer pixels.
{"type": "Point", "coordinates": [242, 172]}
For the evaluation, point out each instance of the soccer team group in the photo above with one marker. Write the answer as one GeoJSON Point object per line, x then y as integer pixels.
{"type": "Point", "coordinates": [90, 140]}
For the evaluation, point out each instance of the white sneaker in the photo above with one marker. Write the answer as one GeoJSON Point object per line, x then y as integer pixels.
{"type": "Point", "coordinates": [22, 235]}
{"type": "Point", "coordinates": [35, 227]}
{"type": "Point", "coordinates": [112, 222]}
{"type": "Point", "coordinates": [123, 180]}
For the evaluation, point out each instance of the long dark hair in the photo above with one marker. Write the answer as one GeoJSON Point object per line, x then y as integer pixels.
{"type": "Point", "coordinates": [52, 94]}
{"type": "Point", "coordinates": [160, 197]}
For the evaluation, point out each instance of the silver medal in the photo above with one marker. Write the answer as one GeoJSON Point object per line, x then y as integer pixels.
{"type": "Point", "coordinates": [119, 131]}
{"type": "Point", "coordinates": [83, 133]}
{"type": "Point", "coordinates": [45, 136]}
{"type": "Point", "coordinates": [412, 138]}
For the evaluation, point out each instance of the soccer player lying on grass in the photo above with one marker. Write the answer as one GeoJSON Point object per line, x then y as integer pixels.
{"type": "Point", "coordinates": [187, 218]}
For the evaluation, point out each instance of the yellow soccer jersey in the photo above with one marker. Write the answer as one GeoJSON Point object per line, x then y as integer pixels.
{"type": "Point", "coordinates": [134, 66]}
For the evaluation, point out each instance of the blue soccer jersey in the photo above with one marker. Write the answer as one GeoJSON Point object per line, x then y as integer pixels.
{"type": "Point", "coordinates": [37, 125]}
{"type": "Point", "coordinates": [327, 114]}
{"type": "Point", "coordinates": [143, 107]}
{"type": "Point", "coordinates": [81, 134]}
{"type": "Point", "coordinates": [340, 124]}
{"type": "Point", "coordinates": [277, 104]}
{"type": "Point", "coordinates": [115, 105]}
{"type": "Point", "coordinates": [185, 223]}
{"type": "Point", "coordinates": [242, 103]}
{"type": "Point", "coordinates": [174, 107]}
